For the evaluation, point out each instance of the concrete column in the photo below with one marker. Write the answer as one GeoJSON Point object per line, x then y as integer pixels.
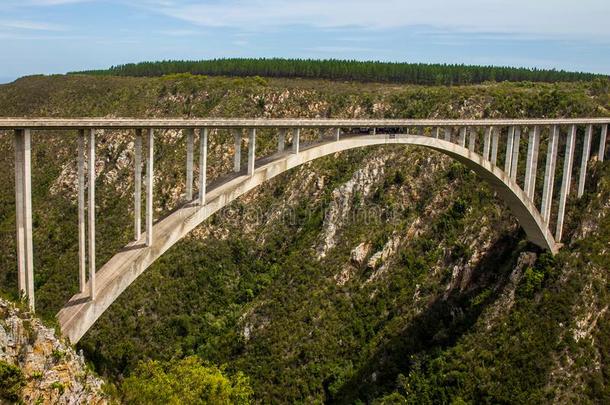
{"type": "Point", "coordinates": [82, 235]}
{"type": "Point", "coordinates": [281, 140]}
{"type": "Point", "coordinates": [495, 140]}
{"type": "Point", "coordinates": [437, 133]}
{"type": "Point", "coordinates": [565, 181]}
{"type": "Point", "coordinates": [486, 143]}
{"type": "Point", "coordinates": [531, 164]}
{"type": "Point", "coordinates": [515, 163]}
{"type": "Point", "coordinates": [296, 132]}
{"type": "Point", "coordinates": [472, 137]}
{"type": "Point", "coordinates": [91, 212]}
{"type": "Point", "coordinates": [149, 188]}
{"type": "Point", "coordinates": [462, 139]}
{"type": "Point", "coordinates": [237, 155]}
{"type": "Point", "coordinates": [602, 143]}
{"type": "Point", "coordinates": [549, 174]}
{"type": "Point", "coordinates": [337, 134]}
{"type": "Point", "coordinates": [189, 164]}
{"type": "Point", "coordinates": [23, 203]}
{"type": "Point", "coordinates": [374, 131]}
{"type": "Point", "coordinates": [586, 153]}
{"type": "Point", "coordinates": [509, 150]}
{"type": "Point", "coordinates": [448, 132]}
{"type": "Point", "coordinates": [137, 184]}
{"type": "Point", "coordinates": [203, 164]}
{"type": "Point", "coordinates": [251, 151]}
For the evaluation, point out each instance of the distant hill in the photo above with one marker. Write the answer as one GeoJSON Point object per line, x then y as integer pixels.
{"type": "Point", "coordinates": [332, 69]}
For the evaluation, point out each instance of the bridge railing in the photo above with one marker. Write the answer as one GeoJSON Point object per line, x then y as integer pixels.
{"type": "Point", "coordinates": [514, 146]}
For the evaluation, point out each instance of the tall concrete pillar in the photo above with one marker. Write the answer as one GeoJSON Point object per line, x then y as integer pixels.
{"type": "Point", "coordinates": [137, 184]}
{"type": "Point", "coordinates": [531, 163]}
{"type": "Point", "coordinates": [149, 187]}
{"type": "Point", "coordinates": [602, 143]}
{"type": "Point", "coordinates": [91, 212]}
{"type": "Point", "coordinates": [549, 174]}
{"type": "Point", "coordinates": [337, 134]}
{"type": "Point", "coordinates": [495, 140]}
{"type": "Point", "coordinates": [203, 164]}
{"type": "Point", "coordinates": [23, 203]}
{"type": "Point", "coordinates": [296, 134]}
{"type": "Point", "coordinates": [374, 131]}
{"type": "Point", "coordinates": [472, 138]}
{"type": "Point", "coordinates": [566, 181]}
{"type": "Point", "coordinates": [586, 153]}
{"type": "Point", "coordinates": [281, 140]}
{"type": "Point", "coordinates": [462, 139]}
{"type": "Point", "coordinates": [251, 151]}
{"type": "Point", "coordinates": [189, 164]}
{"type": "Point", "coordinates": [437, 133]}
{"type": "Point", "coordinates": [448, 132]}
{"type": "Point", "coordinates": [509, 150]}
{"type": "Point", "coordinates": [82, 235]}
{"type": "Point", "coordinates": [237, 154]}
{"type": "Point", "coordinates": [515, 162]}
{"type": "Point", "coordinates": [487, 143]}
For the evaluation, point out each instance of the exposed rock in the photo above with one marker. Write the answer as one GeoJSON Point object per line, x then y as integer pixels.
{"type": "Point", "coordinates": [360, 252]}
{"type": "Point", "coordinates": [54, 372]}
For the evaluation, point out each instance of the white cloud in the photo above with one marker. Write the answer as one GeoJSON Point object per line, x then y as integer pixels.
{"type": "Point", "coordinates": [30, 25]}
{"type": "Point", "coordinates": [553, 18]}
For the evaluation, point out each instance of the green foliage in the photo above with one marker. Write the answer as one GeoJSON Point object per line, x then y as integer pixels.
{"type": "Point", "coordinates": [11, 382]}
{"type": "Point", "coordinates": [186, 381]}
{"type": "Point", "coordinates": [333, 69]}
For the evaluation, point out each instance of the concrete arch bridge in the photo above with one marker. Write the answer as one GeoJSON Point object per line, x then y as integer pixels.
{"type": "Point", "coordinates": [491, 148]}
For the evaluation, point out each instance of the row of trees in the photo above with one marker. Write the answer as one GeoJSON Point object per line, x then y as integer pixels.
{"type": "Point", "coordinates": [332, 69]}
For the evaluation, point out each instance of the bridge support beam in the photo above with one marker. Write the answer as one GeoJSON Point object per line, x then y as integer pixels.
{"type": "Point", "coordinates": [566, 181]}
{"type": "Point", "coordinates": [189, 164]}
{"type": "Point", "coordinates": [203, 164]}
{"type": "Point", "coordinates": [23, 203]}
{"type": "Point", "coordinates": [237, 154]}
{"type": "Point", "coordinates": [531, 164]}
{"type": "Point", "coordinates": [91, 212]}
{"type": "Point", "coordinates": [337, 134]}
{"type": "Point", "coordinates": [296, 134]}
{"type": "Point", "coordinates": [495, 140]}
{"type": "Point", "coordinates": [448, 132]}
{"type": "Point", "coordinates": [281, 140]}
{"type": "Point", "coordinates": [509, 150]}
{"type": "Point", "coordinates": [82, 234]}
{"type": "Point", "coordinates": [251, 151]}
{"type": "Point", "coordinates": [462, 139]}
{"type": "Point", "coordinates": [515, 160]}
{"type": "Point", "coordinates": [602, 143]}
{"type": "Point", "coordinates": [137, 184]}
{"type": "Point", "coordinates": [586, 152]}
{"type": "Point", "coordinates": [549, 174]}
{"type": "Point", "coordinates": [472, 139]}
{"type": "Point", "coordinates": [487, 143]}
{"type": "Point", "coordinates": [149, 188]}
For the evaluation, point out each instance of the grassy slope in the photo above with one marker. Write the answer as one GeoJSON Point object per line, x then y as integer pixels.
{"type": "Point", "coordinates": [421, 331]}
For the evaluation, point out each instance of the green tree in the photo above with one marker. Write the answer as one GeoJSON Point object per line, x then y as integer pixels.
{"type": "Point", "coordinates": [186, 381]}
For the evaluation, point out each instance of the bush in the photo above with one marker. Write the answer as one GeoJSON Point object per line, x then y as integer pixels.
{"type": "Point", "coordinates": [11, 382]}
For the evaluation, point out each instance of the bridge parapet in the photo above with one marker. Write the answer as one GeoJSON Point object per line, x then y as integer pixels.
{"type": "Point", "coordinates": [506, 153]}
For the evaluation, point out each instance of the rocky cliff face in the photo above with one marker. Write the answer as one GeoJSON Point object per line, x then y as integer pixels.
{"type": "Point", "coordinates": [53, 372]}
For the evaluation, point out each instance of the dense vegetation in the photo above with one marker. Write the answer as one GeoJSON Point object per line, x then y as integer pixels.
{"type": "Point", "coordinates": [413, 73]}
{"type": "Point", "coordinates": [464, 310]}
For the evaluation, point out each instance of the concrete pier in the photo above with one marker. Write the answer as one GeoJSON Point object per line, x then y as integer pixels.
{"type": "Point", "coordinates": [472, 139]}
{"type": "Point", "coordinates": [82, 235]}
{"type": "Point", "coordinates": [495, 140]}
{"type": "Point", "coordinates": [237, 153]}
{"type": "Point", "coordinates": [91, 212]}
{"type": "Point", "coordinates": [566, 181]}
{"type": "Point", "coordinates": [23, 199]}
{"type": "Point", "coordinates": [549, 174]}
{"type": "Point", "coordinates": [602, 143]}
{"type": "Point", "coordinates": [296, 135]}
{"type": "Point", "coordinates": [281, 140]}
{"type": "Point", "coordinates": [508, 160]}
{"type": "Point", "coordinates": [189, 163]}
{"type": "Point", "coordinates": [203, 164]}
{"type": "Point", "coordinates": [487, 143]}
{"type": "Point", "coordinates": [149, 187]}
{"type": "Point", "coordinates": [462, 137]}
{"type": "Point", "coordinates": [448, 132]}
{"type": "Point", "coordinates": [531, 163]}
{"type": "Point", "coordinates": [586, 152]}
{"type": "Point", "coordinates": [137, 185]}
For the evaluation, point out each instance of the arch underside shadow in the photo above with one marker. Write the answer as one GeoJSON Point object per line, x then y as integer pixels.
{"type": "Point", "coordinates": [80, 313]}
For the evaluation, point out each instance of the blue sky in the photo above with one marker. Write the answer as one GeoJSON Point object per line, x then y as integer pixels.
{"type": "Point", "coordinates": [56, 36]}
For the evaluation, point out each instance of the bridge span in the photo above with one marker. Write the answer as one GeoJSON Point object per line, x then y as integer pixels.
{"type": "Point", "coordinates": [491, 148]}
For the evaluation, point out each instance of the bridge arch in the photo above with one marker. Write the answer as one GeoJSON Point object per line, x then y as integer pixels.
{"type": "Point", "coordinates": [80, 313]}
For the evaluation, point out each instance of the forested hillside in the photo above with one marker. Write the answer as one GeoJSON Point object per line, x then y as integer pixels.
{"type": "Point", "coordinates": [386, 275]}
{"type": "Point", "coordinates": [413, 73]}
